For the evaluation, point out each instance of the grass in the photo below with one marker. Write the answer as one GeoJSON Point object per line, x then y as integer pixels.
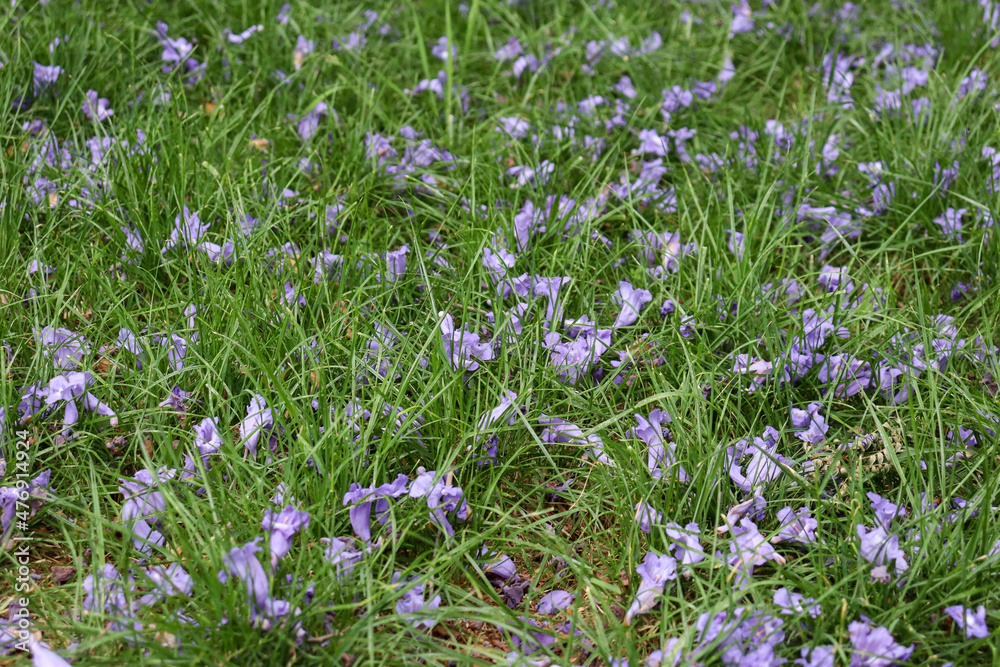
{"type": "Point", "coordinates": [202, 151]}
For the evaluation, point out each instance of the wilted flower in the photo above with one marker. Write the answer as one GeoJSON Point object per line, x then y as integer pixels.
{"type": "Point", "coordinates": [749, 548]}
{"type": "Point", "coordinates": [631, 301]}
{"type": "Point", "coordinates": [655, 571]}
{"type": "Point", "coordinates": [973, 622]}
{"type": "Point", "coordinates": [340, 554]}
{"type": "Point", "coordinates": [45, 77]}
{"type": "Point", "coordinates": [283, 525]}
{"type": "Point", "coordinates": [444, 49]}
{"type": "Point", "coordinates": [463, 347]}
{"type": "Point", "coordinates": [554, 602]}
{"type": "Point", "coordinates": [878, 547]}
{"type": "Point", "coordinates": [810, 425]}
{"type": "Point", "coordinates": [188, 230]}
{"type": "Point", "coordinates": [645, 516]}
{"type": "Point", "coordinates": [63, 347]}
{"type": "Point", "coordinates": [687, 546]}
{"type": "Point", "coordinates": [239, 38]}
{"type": "Point", "coordinates": [70, 386]}
{"type": "Point", "coordinates": [885, 511]}
{"type": "Point", "coordinates": [309, 124]}
{"type": "Point", "coordinates": [259, 418]}
{"type": "Point", "coordinates": [97, 109]}
{"type": "Point", "coordinates": [795, 603]}
{"type": "Point", "coordinates": [242, 563]}
{"type": "Point", "coordinates": [796, 526]}
{"type": "Point", "coordinates": [411, 602]}
{"type": "Point", "coordinates": [875, 647]}
{"type": "Point", "coordinates": [175, 399]}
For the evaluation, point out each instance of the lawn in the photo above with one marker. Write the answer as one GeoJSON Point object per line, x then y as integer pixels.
{"type": "Point", "coordinates": [501, 332]}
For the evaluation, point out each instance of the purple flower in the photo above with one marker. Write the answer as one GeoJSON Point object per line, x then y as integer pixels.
{"type": "Point", "coordinates": [441, 496]}
{"type": "Point", "coordinates": [97, 109]}
{"type": "Point", "coordinates": [527, 62]}
{"type": "Point", "coordinates": [655, 571]}
{"type": "Point", "coordinates": [303, 47]}
{"type": "Point", "coordinates": [175, 399]}
{"type": "Point", "coordinates": [174, 50]}
{"type": "Point", "coordinates": [835, 278]}
{"type": "Point", "coordinates": [207, 437]}
{"type": "Point", "coordinates": [625, 88]}
{"type": "Point", "coordinates": [810, 425]}
{"type": "Point", "coordinates": [651, 143]}
{"type": "Point", "coordinates": [43, 656]}
{"type": "Point", "coordinates": [547, 287]}
{"type": "Point", "coordinates": [741, 637]}
{"type": "Point", "coordinates": [687, 546]}
{"type": "Point", "coordinates": [631, 301]}
{"type": "Point", "coordinates": [497, 261]}
{"type": "Point", "coordinates": [395, 261]}
{"type": "Point", "coordinates": [509, 51]}
{"type": "Point", "coordinates": [499, 568]}
{"type": "Point", "coordinates": [661, 456]}
{"type": "Point", "coordinates": [513, 126]}
{"type": "Point", "coordinates": [885, 511]}
{"type": "Point", "coordinates": [70, 386]}
{"type": "Point", "coordinates": [444, 50]}
{"type": "Point", "coordinates": [165, 581]}
{"type": "Point", "coordinates": [63, 347]}
{"type": "Point", "coordinates": [360, 499]}
{"type": "Point", "coordinates": [737, 243]}
{"type": "Point", "coordinates": [242, 563]}
{"type": "Point", "coordinates": [765, 464]}
{"type": "Point", "coordinates": [749, 548]}
{"type": "Point", "coordinates": [853, 375]}
{"type": "Point", "coordinates": [384, 492]}
{"type": "Point", "coordinates": [13, 500]}
{"type": "Point", "coordinates": [527, 223]}
{"type": "Point", "coordinates": [974, 622]}
{"type": "Point", "coordinates": [239, 38]}
{"type": "Point", "coordinates": [675, 99]}
{"type": "Point", "coordinates": [309, 124]}
{"type": "Point", "coordinates": [878, 547]}
{"type": "Point", "coordinates": [793, 603]}
{"type": "Point", "coordinates": [463, 347]}
{"type": "Point", "coordinates": [574, 359]}
{"type": "Point", "coordinates": [554, 602]}
{"type": "Point", "coordinates": [751, 507]}
{"type": "Point", "coordinates": [951, 223]}
{"type": "Point", "coordinates": [44, 77]}
{"type": "Point", "coordinates": [218, 254]}
{"type": "Point", "coordinates": [742, 21]}
{"type": "Point", "coordinates": [796, 526]}
{"type": "Point", "coordinates": [816, 656]}
{"type": "Point", "coordinates": [494, 415]}
{"type": "Point", "coordinates": [875, 647]}
{"type": "Point", "coordinates": [354, 41]}
{"type": "Point", "coordinates": [188, 230]}
{"type": "Point", "coordinates": [283, 526]}
{"type": "Point", "coordinates": [258, 419]}
{"type": "Point", "coordinates": [339, 554]}
{"type": "Point", "coordinates": [411, 603]}
{"type": "Point", "coordinates": [133, 241]}
{"type": "Point", "coordinates": [645, 516]}
{"type": "Point", "coordinates": [560, 430]}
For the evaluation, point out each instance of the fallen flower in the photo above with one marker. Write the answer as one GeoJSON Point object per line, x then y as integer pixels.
{"type": "Point", "coordinates": [655, 571]}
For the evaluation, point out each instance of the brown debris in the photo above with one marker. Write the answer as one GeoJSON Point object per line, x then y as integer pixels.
{"type": "Point", "coordinates": [62, 574]}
